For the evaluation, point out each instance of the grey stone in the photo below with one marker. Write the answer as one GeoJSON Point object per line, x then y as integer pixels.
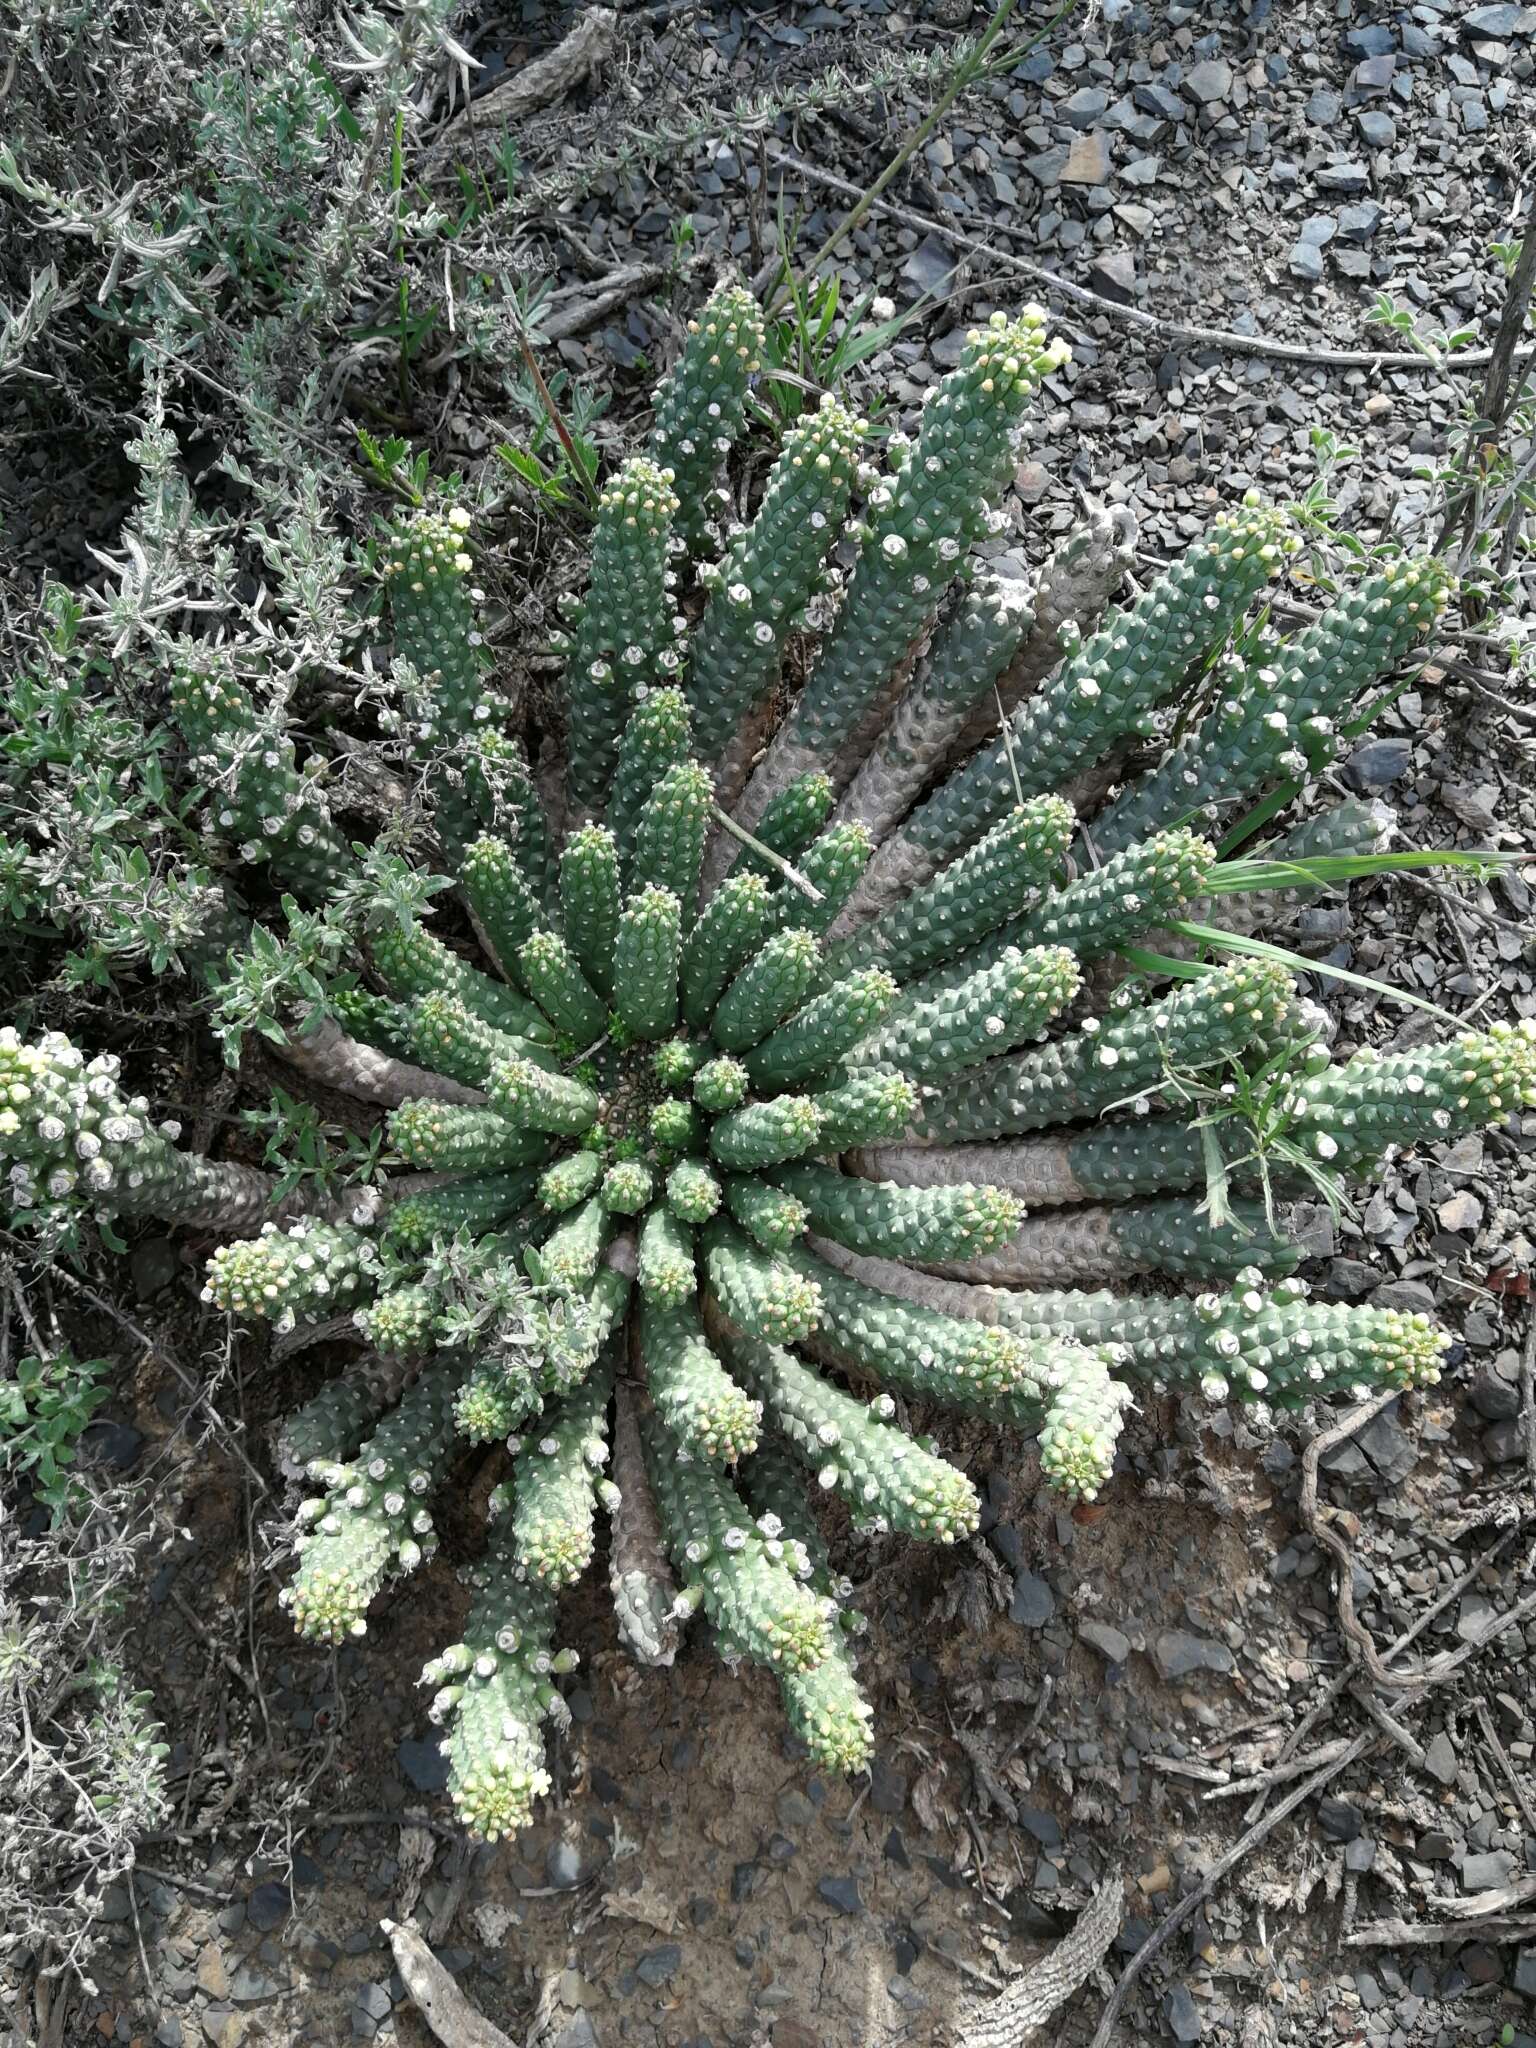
{"type": "Point", "coordinates": [1524, 1979]}
{"type": "Point", "coordinates": [1338, 1820]}
{"type": "Point", "coordinates": [1488, 1871]}
{"type": "Point", "coordinates": [841, 1892]}
{"type": "Point", "coordinates": [1044, 1826]}
{"type": "Point", "coordinates": [1505, 19]}
{"type": "Point", "coordinates": [1375, 39]}
{"type": "Point", "coordinates": [1033, 1602]}
{"type": "Point", "coordinates": [1142, 170]}
{"type": "Point", "coordinates": [1158, 101]}
{"type": "Point", "coordinates": [887, 1787]}
{"type": "Point", "coordinates": [1047, 167]}
{"type": "Point", "coordinates": [267, 1907]}
{"type": "Point", "coordinates": [1495, 1398]}
{"type": "Point", "coordinates": [374, 2000]}
{"type": "Point", "coordinates": [1087, 105]}
{"type": "Point", "coordinates": [1351, 179]}
{"type": "Point", "coordinates": [250, 1986]}
{"type": "Point", "coordinates": [1306, 262]}
{"type": "Point", "coordinates": [1087, 160]}
{"type": "Point", "coordinates": [1375, 74]}
{"type": "Point", "coordinates": [1359, 222]}
{"type": "Point", "coordinates": [1182, 2014]}
{"type": "Point", "coordinates": [1177, 1653]}
{"type": "Point", "coordinates": [1324, 108]}
{"type": "Point", "coordinates": [1378, 131]}
{"type": "Point", "coordinates": [1319, 229]}
{"type": "Point", "coordinates": [1111, 1644]}
{"type": "Point", "coordinates": [168, 2032]}
{"type": "Point", "coordinates": [1504, 1443]}
{"type": "Point", "coordinates": [578, 2032]}
{"type": "Point", "coordinates": [1440, 1759]}
{"type": "Point", "coordinates": [1388, 1446]}
{"type": "Point", "coordinates": [929, 265]}
{"type": "Point", "coordinates": [1379, 763]}
{"type": "Point", "coordinates": [659, 1965]}
{"type": "Point", "coordinates": [424, 1764]}
{"type": "Point", "coordinates": [1359, 1854]}
{"type": "Point", "coordinates": [1113, 276]}
{"type": "Point", "coordinates": [794, 1809]}
{"type": "Point", "coordinates": [1209, 82]}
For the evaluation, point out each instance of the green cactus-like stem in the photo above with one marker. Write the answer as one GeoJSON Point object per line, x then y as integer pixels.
{"type": "Point", "coordinates": [667, 1274]}
{"type": "Point", "coordinates": [862, 1110]}
{"type": "Point", "coordinates": [628, 1186]}
{"type": "Point", "coordinates": [978, 1017]}
{"type": "Point", "coordinates": [655, 740]}
{"type": "Point", "coordinates": [1235, 1007]}
{"type": "Point", "coordinates": [793, 819]}
{"type": "Point", "coordinates": [426, 567]}
{"type": "Point", "coordinates": [764, 1133]}
{"type": "Point", "coordinates": [400, 1323]}
{"type": "Point", "coordinates": [1168, 1235]}
{"type": "Point", "coordinates": [1277, 716]}
{"type": "Point", "coordinates": [555, 1481]}
{"type": "Point", "coordinates": [500, 898]}
{"type": "Point", "coordinates": [827, 1711]}
{"type": "Point", "coordinates": [1134, 892]}
{"type": "Point", "coordinates": [920, 523]}
{"type": "Point", "coordinates": [1252, 1344]}
{"type": "Point", "coordinates": [693, 1192]}
{"type": "Point", "coordinates": [970, 650]}
{"type": "Point", "coordinates": [833, 865]}
{"type": "Point", "coordinates": [415, 1221]}
{"type": "Point", "coordinates": [647, 956]}
{"type": "Point", "coordinates": [623, 644]}
{"type": "Point", "coordinates": [921, 1327]}
{"type": "Point", "coordinates": [765, 1213]}
{"type": "Point", "coordinates": [414, 962]}
{"type": "Point", "coordinates": [768, 574]}
{"type": "Point", "coordinates": [668, 845]}
{"type": "Point", "coordinates": [709, 1533]}
{"type": "Point", "coordinates": [372, 1520]}
{"type": "Point", "coordinates": [446, 1036]}
{"type": "Point", "coordinates": [501, 785]}
{"type": "Point", "coordinates": [508, 1383]}
{"type": "Point", "coordinates": [537, 1100]}
{"type": "Point", "coordinates": [568, 1258]}
{"type": "Point", "coordinates": [272, 810]}
{"type": "Point", "coordinates": [815, 1039]}
{"type": "Point", "coordinates": [925, 1224]}
{"type": "Point", "coordinates": [701, 405]}
{"type": "Point", "coordinates": [1347, 1115]}
{"type": "Point", "coordinates": [976, 893]}
{"type": "Point", "coordinates": [773, 1481]}
{"type": "Point", "coordinates": [731, 927]}
{"type": "Point", "coordinates": [331, 1424]}
{"type": "Point", "coordinates": [445, 1138]}
{"type": "Point", "coordinates": [926, 1352]}
{"type": "Point", "coordinates": [570, 1180]}
{"type": "Point", "coordinates": [887, 1478]}
{"type": "Point", "coordinates": [494, 1692]}
{"type": "Point", "coordinates": [676, 1061]}
{"type": "Point", "coordinates": [758, 1290]}
{"type": "Point", "coordinates": [311, 1268]}
{"type": "Point", "coordinates": [676, 1126]}
{"type": "Point", "coordinates": [549, 971]}
{"type": "Point", "coordinates": [1107, 684]}
{"type": "Point", "coordinates": [702, 1406]}
{"type": "Point", "coordinates": [589, 902]}
{"type": "Point", "coordinates": [767, 990]}
{"type": "Point", "coordinates": [720, 1085]}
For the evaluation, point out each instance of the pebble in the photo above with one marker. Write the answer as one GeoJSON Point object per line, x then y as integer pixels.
{"type": "Point", "coordinates": [1440, 1759]}
{"type": "Point", "coordinates": [1033, 1602]}
{"type": "Point", "coordinates": [569, 1864]}
{"type": "Point", "coordinates": [1177, 1654]}
{"type": "Point", "coordinates": [1209, 82]}
{"type": "Point", "coordinates": [1339, 1821]}
{"type": "Point", "coordinates": [841, 1892]}
{"type": "Point", "coordinates": [1182, 2014]}
{"type": "Point", "coordinates": [424, 1763]}
{"type": "Point", "coordinates": [794, 1809]}
{"type": "Point", "coordinates": [1379, 763]}
{"type": "Point", "coordinates": [887, 1787]}
{"type": "Point", "coordinates": [267, 1907]}
{"type": "Point", "coordinates": [1113, 276]}
{"type": "Point", "coordinates": [1112, 1645]}
{"type": "Point", "coordinates": [1087, 160]}
{"type": "Point", "coordinates": [659, 1965]}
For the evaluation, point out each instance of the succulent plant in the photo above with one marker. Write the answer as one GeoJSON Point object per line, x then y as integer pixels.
{"type": "Point", "coordinates": [781, 1097]}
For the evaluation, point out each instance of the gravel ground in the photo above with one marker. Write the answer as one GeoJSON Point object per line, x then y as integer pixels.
{"type": "Point", "coordinates": [1120, 1676]}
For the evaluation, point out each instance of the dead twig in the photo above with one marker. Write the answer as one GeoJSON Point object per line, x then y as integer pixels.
{"type": "Point", "coordinates": [1318, 1522]}
{"type": "Point", "coordinates": [436, 1997]}
{"type": "Point", "coordinates": [1501, 1756]}
{"type": "Point", "coordinates": [1015, 2017]}
{"type": "Point", "coordinates": [559, 71]}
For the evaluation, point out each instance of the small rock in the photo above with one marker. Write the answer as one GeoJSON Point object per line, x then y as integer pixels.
{"type": "Point", "coordinates": [424, 1764]}
{"type": "Point", "coordinates": [1044, 1826]}
{"type": "Point", "coordinates": [1373, 40]}
{"type": "Point", "coordinates": [1352, 179]}
{"type": "Point", "coordinates": [267, 1907]}
{"type": "Point", "coordinates": [794, 1809]}
{"type": "Point", "coordinates": [745, 1880]}
{"type": "Point", "coordinates": [1440, 1759]}
{"type": "Point", "coordinates": [841, 1892]}
{"type": "Point", "coordinates": [1488, 1871]}
{"type": "Point", "coordinates": [1305, 260]}
{"type": "Point", "coordinates": [1339, 1821]}
{"type": "Point", "coordinates": [212, 1976]}
{"type": "Point", "coordinates": [1525, 1973]}
{"type": "Point", "coordinates": [250, 1986]}
{"type": "Point", "coordinates": [1087, 105]}
{"type": "Point", "coordinates": [1181, 2013]}
{"type": "Point", "coordinates": [1379, 763]}
{"type": "Point", "coordinates": [569, 1864]}
{"type": "Point", "coordinates": [1359, 1854]}
{"type": "Point", "coordinates": [1113, 276]}
{"type": "Point", "coordinates": [887, 1787]}
{"type": "Point", "coordinates": [1177, 1654]}
{"type": "Point", "coordinates": [578, 2032]}
{"type": "Point", "coordinates": [1047, 167]}
{"type": "Point", "coordinates": [1033, 1602]}
{"type": "Point", "coordinates": [1111, 1644]}
{"type": "Point", "coordinates": [1495, 1398]}
{"type": "Point", "coordinates": [1505, 19]}
{"type": "Point", "coordinates": [1461, 1211]}
{"type": "Point", "coordinates": [374, 2000]}
{"type": "Point", "coordinates": [1142, 170]}
{"type": "Point", "coordinates": [1377, 130]}
{"type": "Point", "coordinates": [658, 1965]}
{"type": "Point", "coordinates": [1209, 82]}
{"type": "Point", "coordinates": [1359, 222]}
{"type": "Point", "coordinates": [1087, 160]}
